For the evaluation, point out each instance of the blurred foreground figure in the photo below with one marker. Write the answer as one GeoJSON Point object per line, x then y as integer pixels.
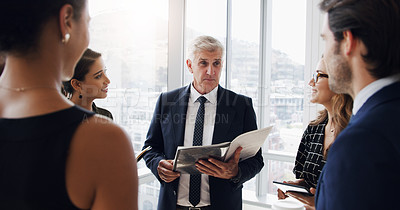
{"type": "Point", "coordinates": [54, 155]}
{"type": "Point", "coordinates": [362, 42]}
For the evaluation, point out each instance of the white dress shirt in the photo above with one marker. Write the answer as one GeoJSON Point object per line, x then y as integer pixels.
{"type": "Point", "coordinates": [210, 109]}
{"type": "Point", "coordinates": [371, 89]}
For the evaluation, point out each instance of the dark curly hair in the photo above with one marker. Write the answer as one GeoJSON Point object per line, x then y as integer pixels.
{"type": "Point", "coordinates": [22, 21]}
{"type": "Point", "coordinates": [374, 22]}
{"type": "Point", "coordinates": [81, 69]}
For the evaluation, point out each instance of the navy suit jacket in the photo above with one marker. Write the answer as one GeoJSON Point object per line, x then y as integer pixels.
{"type": "Point", "coordinates": [363, 166]}
{"type": "Point", "coordinates": [235, 115]}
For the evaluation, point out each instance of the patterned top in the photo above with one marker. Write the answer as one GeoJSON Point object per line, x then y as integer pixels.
{"type": "Point", "coordinates": [310, 156]}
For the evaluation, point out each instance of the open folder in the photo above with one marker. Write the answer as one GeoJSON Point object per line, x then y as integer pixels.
{"type": "Point", "coordinates": [251, 142]}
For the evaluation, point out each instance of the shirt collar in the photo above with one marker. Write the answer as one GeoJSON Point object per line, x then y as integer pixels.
{"type": "Point", "coordinates": [211, 96]}
{"type": "Point", "coordinates": [371, 89]}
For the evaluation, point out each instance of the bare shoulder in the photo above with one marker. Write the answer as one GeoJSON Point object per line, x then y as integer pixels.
{"type": "Point", "coordinates": [99, 140]}
{"type": "Point", "coordinates": [101, 127]}
{"type": "Point", "coordinates": [101, 168]}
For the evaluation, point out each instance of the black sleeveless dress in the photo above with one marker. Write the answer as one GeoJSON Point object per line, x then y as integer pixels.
{"type": "Point", "coordinates": [33, 154]}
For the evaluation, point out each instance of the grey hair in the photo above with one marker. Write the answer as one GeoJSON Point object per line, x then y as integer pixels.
{"type": "Point", "coordinates": [204, 43]}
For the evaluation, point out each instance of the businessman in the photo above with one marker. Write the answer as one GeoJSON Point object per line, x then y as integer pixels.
{"type": "Point", "coordinates": [362, 42]}
{"type": "Point", "coordinates": [202, 113]}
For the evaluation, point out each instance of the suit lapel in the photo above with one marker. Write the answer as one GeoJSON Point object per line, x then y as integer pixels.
{"type": "Point", "coordinates": [382, 96]}
{"type": "Point", "coordinates": [224, 116]}
{"type": "Point", "coordinates": [178, 115]}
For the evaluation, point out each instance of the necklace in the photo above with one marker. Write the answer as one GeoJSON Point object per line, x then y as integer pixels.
{"type": "Point", "coordinates": [23, 89]}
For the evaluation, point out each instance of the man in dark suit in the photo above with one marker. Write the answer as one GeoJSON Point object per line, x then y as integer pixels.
{"type": "Point", "coordinates": [362, 42]}
{"type": "Point", "coordinates": [174, 123]}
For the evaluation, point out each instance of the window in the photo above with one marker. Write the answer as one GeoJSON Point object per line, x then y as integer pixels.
{"type": "Point", "coordinates": [265, 59]}
{"type": "Point", "coordinates": [243, 60]}
{"type": "Point", "coordinates": [287, 70]}
{"type": "Point", "coordinates": [285, 76]}
{"type": "Point", "coordinates": [134, 45]}
{"type": "Point", "coordinates": [205, 17]}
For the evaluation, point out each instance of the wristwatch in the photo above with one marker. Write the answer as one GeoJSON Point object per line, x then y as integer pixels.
{"type": "Point", "coordinates": [236, 179]}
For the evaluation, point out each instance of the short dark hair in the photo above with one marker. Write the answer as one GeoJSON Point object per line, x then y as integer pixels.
{"type": "Point", "coordinates": [22, 21]}
{"type": "Point", "coordinates": [376, 23]}
{"type": "Point", "coordinates": [82, 68]}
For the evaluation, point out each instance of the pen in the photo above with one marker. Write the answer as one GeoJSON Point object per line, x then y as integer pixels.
{"type": "Point", "coordinates": [142, 153]}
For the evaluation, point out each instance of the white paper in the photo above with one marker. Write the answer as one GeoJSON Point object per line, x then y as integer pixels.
{"type": "Point", "coordinates": [251, 142]}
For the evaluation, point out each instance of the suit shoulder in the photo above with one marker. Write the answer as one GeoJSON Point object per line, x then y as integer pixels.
{"type": "Point", "coordinates": [355, 143]}
{"type": "Point", "coordinates": [172, 95]}
{"type": "Point", "coordinates": [381, 119]}
{"type": "Point", "coordinates": [234, 99]}
{"type": "Point", "coordinates": [175, 93]}
{"type": "Point", "coordinates": [232, 93]}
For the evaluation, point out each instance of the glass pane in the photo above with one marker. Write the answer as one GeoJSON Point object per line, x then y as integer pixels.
{"type": "Point", "coordinates": [245, 54]}
{"type": "Point", "coordinates": [286, 94]}
{"type": "Point", "coordinates": [245, 48]}
{"type": "Point", "coordinates": [273, 171]}
{"type": "Point", "coordinates": [278, 171]}
{"type": "Point", "coordinates": [134, 44]}
{"type": "Point", "coordinates": [148, 195]}
{"type": "Point", "coordinates": [204, 17]}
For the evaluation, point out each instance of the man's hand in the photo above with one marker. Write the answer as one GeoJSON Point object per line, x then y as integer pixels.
{"type": "Point", "coordinates": [306, 199]}
{"type": "Point", "coordinates": [216, 168]}
{"type": "Point", "coordinates": [165, 171]}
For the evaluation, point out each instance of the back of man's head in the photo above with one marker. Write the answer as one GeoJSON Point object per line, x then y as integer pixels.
{"type": "Point", "coordinates": [374, 22]}
{"type": "Point", "coordinates": [204, 43]}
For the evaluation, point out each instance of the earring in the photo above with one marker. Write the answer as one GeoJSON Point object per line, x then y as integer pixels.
{"type": "Point", "coordinates": [80, 96]}
{"type": "Point", "coordinates": [66, 38]}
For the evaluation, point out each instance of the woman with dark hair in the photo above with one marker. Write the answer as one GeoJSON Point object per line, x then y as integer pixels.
{"type": "Point", "coordinates": [53, 154]}
{"type": "Point", "coordinates": [89, 82]}
{"type": "Point", "coordinates": [320, 134]}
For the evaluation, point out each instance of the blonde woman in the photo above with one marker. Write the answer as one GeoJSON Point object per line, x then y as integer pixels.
{"type": "Point", "coordinates": [320, 133]}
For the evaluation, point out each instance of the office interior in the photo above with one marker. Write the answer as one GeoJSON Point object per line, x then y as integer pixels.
{"type": "Point", "coordinates": [272, 49]}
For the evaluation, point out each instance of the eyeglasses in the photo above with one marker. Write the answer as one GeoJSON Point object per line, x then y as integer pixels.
{"type": "Point", "coordinates": [318, 75]}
